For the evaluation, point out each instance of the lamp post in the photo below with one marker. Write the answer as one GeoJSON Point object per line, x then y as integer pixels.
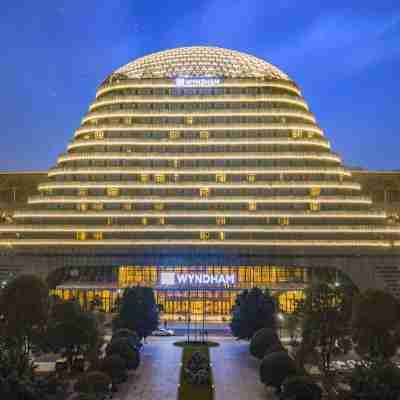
{"type": "Point", "coordinates": [281, 319]}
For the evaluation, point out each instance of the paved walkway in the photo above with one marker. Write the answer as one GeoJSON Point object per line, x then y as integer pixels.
{"type": "Point", "coordinates": [235, 372]}
{"type": "Point", "coordinates": [158, 374]}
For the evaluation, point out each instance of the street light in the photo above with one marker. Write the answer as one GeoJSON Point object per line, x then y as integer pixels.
{"type": "Point", "coordinates": [281, 319]}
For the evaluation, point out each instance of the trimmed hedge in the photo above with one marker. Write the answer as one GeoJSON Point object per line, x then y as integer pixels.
{"type": "Point", "coordinates": [115, 367]}
{"type": "Point", "coordinates": [94, 382]}
{"type": "Point", "coordinates": [300, 388]}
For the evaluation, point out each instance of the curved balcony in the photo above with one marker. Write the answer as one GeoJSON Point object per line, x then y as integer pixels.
{"type": "Point", "coordinates": [213, 127]}
{"type": "Point", "coordinates": [200, 99]}
{"type": "Point", "coordinates": [200, 156]}
{"type": "Point", "coordinates": [191, 200]}
{"type": "Point", "coordinates": [197, 185]}
{"type": "Point", "coordinates": [162, 83]}
{"type": "Point", "coordinates": [95, 115]}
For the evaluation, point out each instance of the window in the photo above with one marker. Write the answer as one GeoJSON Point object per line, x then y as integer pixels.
{"type": "Point", "coordinates": [98, 235]}
{"type": "Point", "coordinates": [315, 191]}
{"type": "Point", "coordinates": [176, 163]}
{"type": "Point", "coordinates": [189, 120]}
{"type": "Point", "coordinates": [144, 178]}
{"type": "Point", "coordinates": [97, 206]}
{"type": "Point", "coordinates": [80, 235]}
{"type": "Point", "coordinates": [127, 206]}
{"type": "Point", "coordinates": [251, 178]}
{"type": "Point", "coordinates": [252, 205]}
{"type": "Point", "coordinates": [145, 221]}
{"type": "Point", "coordinates": [220, 178]}
{"type": "Point", "coordinates": [296, 133]}
{"type": "Point", "coordinates": [160, 178]}
{"type": "Point", "coordinates": [158, 206]}
{"type": "Point", "coordinates": [112, 192]}
{"type": "Point", "coordinates": [82, 192]}
{"type": "Point", "coordinates": [99, 135]}
{"type": "Point", "coordinates": [221, 235]}
{"type": "Point", "coordinates": [82, 207]}
{"type": "Point", "coordinates": [315, 206]}
{"type": "Point", "coordinates": [283, 221]}
{"type": "Point", "coordinates": [204, 192]}
{"type": "Point", "coordinates": [204, 135]}
{"type": "Point", "coordinates": [205, 235]}
{"type": "Point", "coordinates": [161, 221]}
{"type": "Point", "coordinates": [220, 220]}
{"type": "Point", "coordinates": [173, 135]}
{"type": "Point", "coordinates": [310, 135]}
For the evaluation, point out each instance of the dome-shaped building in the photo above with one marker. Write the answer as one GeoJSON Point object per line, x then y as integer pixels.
{"type": "Point", "coordinates": [200, 167]}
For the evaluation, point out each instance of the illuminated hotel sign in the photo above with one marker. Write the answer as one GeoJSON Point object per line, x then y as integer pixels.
{"type": "Point", "coordinates": [197, 82]}
{"type": "Point", "coordinates": [193, 279]}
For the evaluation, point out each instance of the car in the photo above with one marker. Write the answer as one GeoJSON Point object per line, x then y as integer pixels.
{"type": "Point", "coordinates": [163, 332]}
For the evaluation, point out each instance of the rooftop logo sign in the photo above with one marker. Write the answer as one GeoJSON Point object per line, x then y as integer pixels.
{"type": "Point", "coordinates": [193, 279]}
{"type": "Point", "coordinates": [197, 82]}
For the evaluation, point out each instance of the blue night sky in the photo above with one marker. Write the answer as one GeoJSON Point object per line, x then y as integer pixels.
{"type": "Point", "coordinates": [345, 55]}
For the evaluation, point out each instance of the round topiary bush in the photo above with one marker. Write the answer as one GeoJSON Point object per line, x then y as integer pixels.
{"type": "Point", "coordinates": [262, 340]}
{"type": "Point", "coordinates": [115, 367]}
{"type": "Point", "coordinates": [275, 368]}
{"type": "Point", "coordinates": [130, 335]}
{"type": "Point", "coordinates": [300, 388]}
{"type": "Point", "coordinates": [123, 348]}
{"type": "Point", "coordinates": [94, 382]}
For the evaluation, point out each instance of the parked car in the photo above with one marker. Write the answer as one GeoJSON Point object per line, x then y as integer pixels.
{"type": "Point", "coordinates": [163, 332]}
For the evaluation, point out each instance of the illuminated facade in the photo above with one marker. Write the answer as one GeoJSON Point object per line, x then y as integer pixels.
{"type": "Point", "coordinates": [200, 158]}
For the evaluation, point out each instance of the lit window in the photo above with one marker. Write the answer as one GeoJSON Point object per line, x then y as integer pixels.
{"type": "Point", "coordinates": [176, 163]}
{"type": "Point", "coordinates": [205, 235]}
{"type": "Point", "coordinates": [251, 178]}
{"type": "Point", "coordinates": [98, 235]}
{"type": "Point", "coordinates": [315, 206]}
{"type": "Point", "coordinates": [310, 135]}
{"type": "Point", "coordinates": [86, 137]}
{"type": "Point", "coordinates": [113, 192]}
{"type": "Point", "coordinates": [160, 178]}
{"type": "Point", "coordinates": [173, 135]}
{"type": "Point", "coordinates": [296, 133]}
{"type": "Point", "coordinates": [161, 221]}
{"type": "Point", "coordinates": [221, 235]}
{"type": "Point", "coordinates": [283, 221]}
{"type": "Point", "coordinates": [127, 206]}
{"type": "Point", "coordinates": [129, 120]}
{"type": "Point", "coordinates": [315, 191]}
{"type": "Point", "coordinates": [144, 178]}
{"type": "Point", "coordinates": [97, 206]}
{"type": "Point", "coordinates": [99, 135]}
{"type": "Point", "coordinates": [110, 221]}
{"type": "Point", "coordinates": [158, 206]}
{"type": "Point", "coordinates": [252, 205]}
{"type": "Point", "coordinates": [221, 220]}
{"type": "Point", "coordinates": [340, 178]}
{"type": "Point", "coordinates": [220, 178]}
{"type": "Point", "coordinates": [82, 207]}
{"type": "Point", "coordinates": [82, 192]}
{"type": "Point", "coordinates": [204, 192]}
{"type": "Point", "coordinates": [80, 235]}
{"type": "Point", "coordinates": [204, 135]}
{"type": "Point", "coordinates": [189, 120]}
{"type": "Point", "coordinates": [145, 221]}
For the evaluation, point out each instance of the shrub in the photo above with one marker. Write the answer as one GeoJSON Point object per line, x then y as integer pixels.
{"type": "Point", "coordinates": [300, 388]}
{"type": "Point", "coordinates": [197, 370]}
{"type": "Point", "coordinates": [275, 368]}
{"type": "Point", "coordinates": [262, 340]}
{"type": "Point", "coordinates": [115, 367]}
{"type": "Point", "coordinates": [123, 348]}
{"type": "Point", "coordinates": [94, 382]}
{"type": "Point", "coordinates": [130, 335]}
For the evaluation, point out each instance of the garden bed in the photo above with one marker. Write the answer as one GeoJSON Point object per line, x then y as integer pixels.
{"type": "Point", "coordinates": [188, 390]}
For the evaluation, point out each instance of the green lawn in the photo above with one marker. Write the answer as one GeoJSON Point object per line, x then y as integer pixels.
{"type": "Point", "coordinates": [188, 391]}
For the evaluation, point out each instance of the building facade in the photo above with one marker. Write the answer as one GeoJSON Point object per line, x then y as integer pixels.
{"type": "Point", "coordinates": [201, 171]}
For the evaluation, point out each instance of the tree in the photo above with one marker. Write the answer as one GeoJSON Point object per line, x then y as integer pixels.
{"type": "Point", "coordinates": [375, 324]}
{"type": "Point", "coordinates": [275, 368]}
{"type": "Point", "coordinates": [24, 308]}
{"type": "Point", "coordinates": [72, 330]}
{"type": "Point", "coordinates": [131, 336]}
{"type": "Point", "coordinates": [138, 311]}
{"type": "Point", "coordinates": [325, 316]}
{"type": "Point", "coordinates": [264, 340]}
{"type": "Point", "coordinates": [253, 310]}
{"type": "Point", "coordinates": [377, 380]}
